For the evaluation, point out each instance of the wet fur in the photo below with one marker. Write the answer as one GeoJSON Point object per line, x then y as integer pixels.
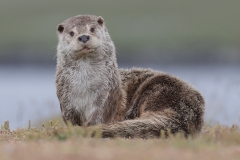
{"type": "Point", "coordinates": [136, 103]}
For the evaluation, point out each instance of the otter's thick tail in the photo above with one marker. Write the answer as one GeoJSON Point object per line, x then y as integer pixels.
{"type": "Point", "coordinates": [152, 126]}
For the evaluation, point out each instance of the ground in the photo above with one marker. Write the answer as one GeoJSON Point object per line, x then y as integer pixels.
{"type": "Point", "coordinates": [61, 143]}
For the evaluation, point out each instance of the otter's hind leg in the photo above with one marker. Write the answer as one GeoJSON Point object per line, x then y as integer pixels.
{"type": "Point", "coordinates": [167, 93]}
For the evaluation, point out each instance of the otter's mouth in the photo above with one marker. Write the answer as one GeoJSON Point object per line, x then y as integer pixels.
{"type": "Point", "coordinates": [85, 49]}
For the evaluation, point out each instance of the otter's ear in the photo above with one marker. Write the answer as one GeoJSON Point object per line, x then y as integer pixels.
{"type": "Point", "coordinates": [60, 28]}
{"type": "Point", "coordinates": [100, 21]}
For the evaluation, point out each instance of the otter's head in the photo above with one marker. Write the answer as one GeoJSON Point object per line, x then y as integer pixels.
{"type": "Point", "coordinates": [82, 35]}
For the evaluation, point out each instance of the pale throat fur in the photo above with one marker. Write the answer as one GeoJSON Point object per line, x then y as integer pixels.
{"type": "Point", "coordinates": [87, 72]}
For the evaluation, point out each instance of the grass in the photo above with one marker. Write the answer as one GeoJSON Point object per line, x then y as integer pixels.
{"type": "Point", "coordinates": [62, 143]}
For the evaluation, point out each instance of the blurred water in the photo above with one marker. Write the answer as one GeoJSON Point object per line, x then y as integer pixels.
{"type": "Point", "coordinates": [28, 92]}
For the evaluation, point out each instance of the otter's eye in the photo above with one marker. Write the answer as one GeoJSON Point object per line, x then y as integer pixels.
{"type": "Point", "coordinates": [92, 30]}
{"type": "Point", "coordinates": [71, 34]}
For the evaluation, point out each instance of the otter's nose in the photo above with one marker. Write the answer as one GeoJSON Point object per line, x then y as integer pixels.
{"type": "Point", "coordinates": [83, 38]}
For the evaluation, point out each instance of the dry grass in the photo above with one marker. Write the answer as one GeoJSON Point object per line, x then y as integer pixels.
{"type": "Point", "coordinates": [60, 143]}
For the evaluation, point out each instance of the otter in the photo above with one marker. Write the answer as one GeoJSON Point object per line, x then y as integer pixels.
{"type": "Point", "coordinates": [135, 103]}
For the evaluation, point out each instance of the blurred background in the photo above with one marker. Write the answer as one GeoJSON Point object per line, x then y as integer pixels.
{"type": "Point", "coordinates": [198, 41]}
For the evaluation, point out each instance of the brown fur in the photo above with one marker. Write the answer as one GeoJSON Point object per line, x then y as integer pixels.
{"type": "Point", "coordinates": [136, 103]}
